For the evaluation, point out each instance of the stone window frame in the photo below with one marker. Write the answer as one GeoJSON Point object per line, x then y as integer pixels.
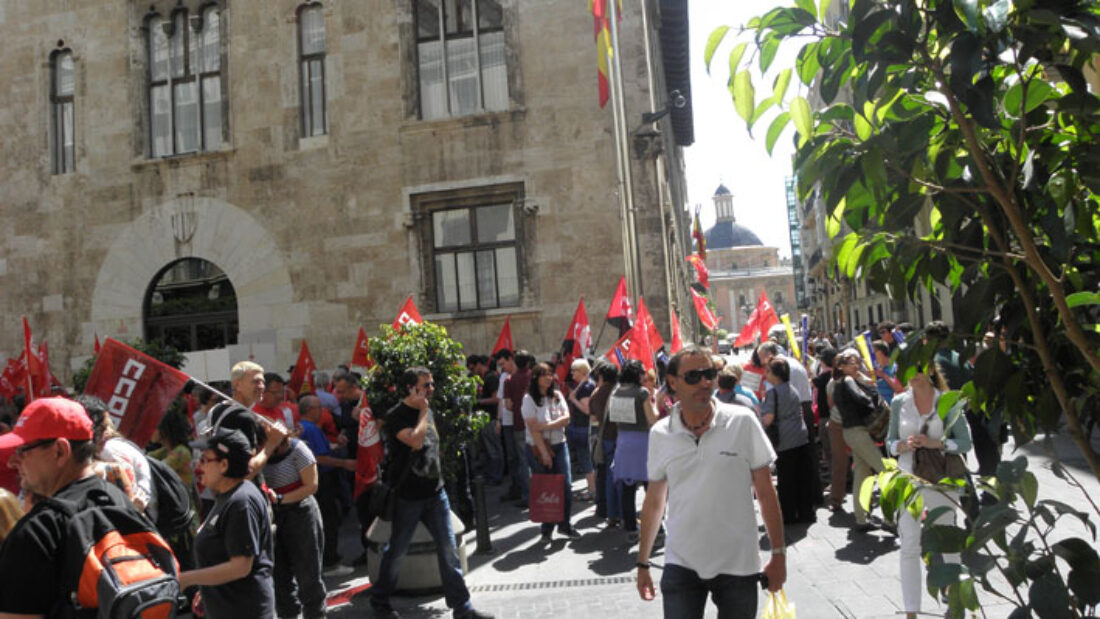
{"type": "Point", "coordinates": [307, 61]}
{"type": "Point", "coordinates": [475, 32]}
{"type": "Point", "coordinates": [195, 16]}
{"type": "Point", "coordinates": [424, 205]}
{"type": "Point", "coordinates": [62, 105]}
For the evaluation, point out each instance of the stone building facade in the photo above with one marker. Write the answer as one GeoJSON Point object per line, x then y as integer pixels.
{"type": "Point", "coordinates": [314, 163]}
{"type": "Point", "coordinates": [741, 268]}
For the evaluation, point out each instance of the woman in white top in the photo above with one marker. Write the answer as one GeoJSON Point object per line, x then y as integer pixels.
{"type": "Point", "coordinates": [910, 412]}
{"type": "Point", "coordinates": [545, 415]}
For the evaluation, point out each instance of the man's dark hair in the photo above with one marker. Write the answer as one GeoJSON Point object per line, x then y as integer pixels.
{"type": "Point", "coordinates": [472, 360]}
{"type": "Point", "coordinates": [881, 346]}
{"type": "Point", "coordinates": [885, 325]}
{"type": "Point", "coordinates": [274, 377]}
{"type": "Point", "coordinates": [503, 353]}
{"type": "Point", "coordinates": [411, 376]}
{"type": "Point", "coordinates": [827, 355]}
{"type": "Point", "coordinates": [97, 411]}
{"type": "Point", "coordinates": [691, 350]}
{"type": "Point", "coordinates": [174, 428]}
{"type": "Point", "coordinates": [727, 380]}
{"type": "Point", "coordinates": [780, 369]}
{"type": "Point", "coordinates": [205, 395]}
{"type": "Point", "coordinates": [352, 378]}
{"type": "Point", "coordinates": [769, 347]}
{"type": "Point", "coordinates": [83, 451]}
{"type": "Point", "coordinates": [632, 373]}
{"type": "Point", "coordinates": [524, 360]}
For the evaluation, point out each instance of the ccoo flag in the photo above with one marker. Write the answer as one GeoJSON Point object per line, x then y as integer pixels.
{"type": "Point", "coordinates": [407, 315]}
{"type": "Point", "coordinates": [620, 314]}
{"type": "Point", "coordinates": [707, 317]}
{"type": "Point", "coordinates": [504, 340]}
{"type": "Point", "coordinates": [677, 341]}
{"type": "Point", "coordinates": [301, 380]}
{"type": "Point", "coordinates": [136, 387]}
{"type": "Point", "coordinates": [361, 355]}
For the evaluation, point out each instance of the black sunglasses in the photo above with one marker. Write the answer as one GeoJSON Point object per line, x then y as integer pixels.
{"type": "Point", "coordinates": [692, 377]}
{"type": "Point", "coordinates": [22, 449]}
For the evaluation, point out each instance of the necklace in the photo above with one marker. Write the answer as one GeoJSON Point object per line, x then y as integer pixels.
{"type": "Point", "coordinates": [702, 424]}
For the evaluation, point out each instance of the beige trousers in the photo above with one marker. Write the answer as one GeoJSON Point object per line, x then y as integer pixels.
{"type": "Point", "coordinates": [867, 459]}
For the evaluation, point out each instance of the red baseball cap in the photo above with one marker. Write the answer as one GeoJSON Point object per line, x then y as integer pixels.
{"type": "Point", "coordinates": [49, 418]}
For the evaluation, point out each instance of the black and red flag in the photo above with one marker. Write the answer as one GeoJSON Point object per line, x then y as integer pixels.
{"type": "Point", "coordinates": [621, 314]}
{"type": "Point", "coordinates": [136, 387]}
{"type": "Point", "coordinates": [577, 340]}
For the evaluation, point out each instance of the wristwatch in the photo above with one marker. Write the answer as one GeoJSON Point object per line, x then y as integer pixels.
{"type": "Point", "coordinates": [781, 550]}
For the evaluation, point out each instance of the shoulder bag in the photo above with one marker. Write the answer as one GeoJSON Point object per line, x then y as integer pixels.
{"type": "Point", "coordinates": [932, 465]}
{"type": "Point", "coordinates": [877, 421]}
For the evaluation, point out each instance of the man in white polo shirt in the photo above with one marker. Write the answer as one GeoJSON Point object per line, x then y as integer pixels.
{"type": "Point", "coordinates": [706, 459]}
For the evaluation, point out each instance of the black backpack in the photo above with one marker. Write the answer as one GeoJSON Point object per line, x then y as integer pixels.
{"type": "Point", "coordinates": [116, 565]}
{"type": "Point", "coordinates": [173, 513]}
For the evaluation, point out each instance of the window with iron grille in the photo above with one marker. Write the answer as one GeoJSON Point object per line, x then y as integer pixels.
{"type": "Point", "coordinates": [185, 81]}
{"type": "Point", "coordinates": [311, 61]}
{"type": "Point", "coordinates": [460, 57]}
{"type": "Point", "coordinates": [62, 144]}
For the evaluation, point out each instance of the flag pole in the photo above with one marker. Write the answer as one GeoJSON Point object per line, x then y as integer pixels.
{"type": "Point", "coordinates": [622, 152]}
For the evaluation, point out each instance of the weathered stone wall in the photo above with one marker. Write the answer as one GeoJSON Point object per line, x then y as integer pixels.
{"type": "Point", "coordinates": [316, 234]}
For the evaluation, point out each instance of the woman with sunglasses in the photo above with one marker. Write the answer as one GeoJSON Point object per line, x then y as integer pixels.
{"type": "Point", "coordinates": [233, 547]}
{"type": "Point", "coordinates": [794, 464]}
{"type": "Point", "coordinates": [631, 409]}
{"type": "Point", "coordinates": [914, 424]}
{"type": "Point", "coordinates": [545, 416]}
{"type": "Point", "coordinates": [854, 396]}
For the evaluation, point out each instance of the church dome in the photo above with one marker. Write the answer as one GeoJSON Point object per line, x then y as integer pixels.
{"type": "Point", "coordinates": [722, 190]}
{"type": "Point", "coordinates": [727, 234]}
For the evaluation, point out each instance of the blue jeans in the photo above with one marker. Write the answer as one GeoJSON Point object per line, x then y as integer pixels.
{"type": "Point", "coordinates": [558, 466]}
{"type": "Point", "coordinates": [299, 539]}
{"type": "Point", "coordinates": [578, 446]}
{"type": "Point", "coordinates": [685, 594]}
{"type": "Point", "coordinates": [435, 513]}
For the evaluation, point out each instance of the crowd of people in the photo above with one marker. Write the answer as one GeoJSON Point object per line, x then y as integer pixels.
{"type": "Point", "coordinates": [272, 476]}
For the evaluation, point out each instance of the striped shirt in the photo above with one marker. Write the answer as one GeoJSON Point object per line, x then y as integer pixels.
{"type": "Point", "coordinates": [285, 474]}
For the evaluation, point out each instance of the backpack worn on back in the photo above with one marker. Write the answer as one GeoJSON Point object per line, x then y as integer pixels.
{"type": "Point", "coordinates": [115, 562]}
{"type": "Point", "coordinates": [173, 507]}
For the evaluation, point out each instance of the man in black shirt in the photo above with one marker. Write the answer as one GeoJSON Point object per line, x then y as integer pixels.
{"type": "Point", "coordinates": [53, 454]}
{"type": "Point", "coordinates": [492, 454]}
{"type": "Point", "coordinates": [413, 469]}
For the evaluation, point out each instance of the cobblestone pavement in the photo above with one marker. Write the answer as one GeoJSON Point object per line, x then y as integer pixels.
{"type": "Point", "coordinates": [832, 570]}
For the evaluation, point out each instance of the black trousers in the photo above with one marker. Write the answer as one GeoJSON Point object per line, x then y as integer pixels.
{"type": "Point", "coordinates": [328, 499]}
{"type": "Point", "coordinates": [794, 468]}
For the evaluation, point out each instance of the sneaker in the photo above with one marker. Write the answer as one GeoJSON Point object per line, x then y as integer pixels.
{"type": "Point", "coordinates": [570, 533]}
{"type": "Point", "coordinates": [338, 569]}
{"type": "Point", "coordinates": [614, 523]}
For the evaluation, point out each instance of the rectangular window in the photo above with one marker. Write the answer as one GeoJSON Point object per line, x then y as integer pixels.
{"type": "Point", "coordinates": [185, 88]}
{"type": "Point", "coordinates": [475, 258]}
{"type": "Point", "coordinates": [311, 61]}
{"type": "Point", "coordinates": [62, 144]}
{"type": "Point", "coordinates": [461, 57]}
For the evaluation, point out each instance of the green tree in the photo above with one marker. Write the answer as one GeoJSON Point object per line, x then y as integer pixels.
{"type": "Point", "coordinates": [975, 116]}
{"type": "Point", "coordinates": [428, 345]}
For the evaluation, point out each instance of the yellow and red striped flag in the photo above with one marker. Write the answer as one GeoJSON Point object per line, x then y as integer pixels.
{"type": "Point", "coordinates": [602, 25]}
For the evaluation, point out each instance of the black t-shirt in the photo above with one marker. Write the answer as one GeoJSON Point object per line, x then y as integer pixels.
{"type": "Point", "coordinates": [31, 559]}
{"type": "Point", "coordinates": [489, 385]}
{"type": "Point", "coordinates": [425, 477]}
{"type": "Point", "coordinates": [577, 417]}
{"type": "Point", "coordinates": [237, 526]}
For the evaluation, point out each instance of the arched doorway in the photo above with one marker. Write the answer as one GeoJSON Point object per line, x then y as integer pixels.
{"type": "Point", "coordinates": [191, 305]}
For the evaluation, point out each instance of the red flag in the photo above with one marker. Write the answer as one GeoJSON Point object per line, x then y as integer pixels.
{"type": "Point", "coordinates": [760, 321]}
{"type": "Point", "coordinates": [652, 336]}
{"type": "Point", "coordinates": [301, 380]}
{"type": "Point", "coordinates": [697, 234]}
{"type": "Point", "coordinates": [136, 387]}
{"type": "Point", "coordinates": [97, 343]}
{"type": "Point", "coordinates": [620, 314]}
{"type": "Point", "coordinates": [361, 355]}
{"type": "Point", "coordinates": [707, 317]}
{"type": "Point", "coordinates": [677, 343]}
{"type": "Point", "coordinates": [44, 360]}
{"type": "Point", "coordinates": [632, 346]}
{"type": "Point", "coordinates": [37, 379]}
{"type": "Point", "coordinates": [602, 26]}
{"type": "Point", "coordinates": [370, 451]}
{"type": "Point", "coordinates": [12, 377]}
{"type": "Point", "coordinates": [577, 340]}
{"type": "Point", "coordinates": [504, 340]}
{"type": "Point", "coordinates": [408, 315]}
{"type": "Point", "coordinates": [701, 272]}
{"type": "Point", "coordinates": [620, 350]}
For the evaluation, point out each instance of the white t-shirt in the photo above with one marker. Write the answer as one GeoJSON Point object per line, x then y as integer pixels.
{"type": "Point", "coordinates": [121, 450]}
{"type": "Point", "coordinates": [550, 410]}
{"type": "Point", "coordinates": [711, 523]}
{"type": "Point", "coordinates": [505, 414]}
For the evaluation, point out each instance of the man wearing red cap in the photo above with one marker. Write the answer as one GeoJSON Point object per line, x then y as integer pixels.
{"type": "Point", "coordinates": [53, 454]}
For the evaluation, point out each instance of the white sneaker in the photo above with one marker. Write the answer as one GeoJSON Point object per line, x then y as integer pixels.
{"type": "Point", "coordinates": [338, 569]}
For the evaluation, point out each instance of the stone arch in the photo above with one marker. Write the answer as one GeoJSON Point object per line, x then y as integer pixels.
{"type": "Point", "coordinates": [192, 227]}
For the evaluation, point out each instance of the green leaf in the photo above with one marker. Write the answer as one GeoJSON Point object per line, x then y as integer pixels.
{"type": "Point", "coordinates": [862, 127]}
{"type": "Point", "coordinates": [1038, 92]}
{"type": "Point", "coordinates": [768, 51]}
{"type": "Point", "coordinates": [1048, 597]}
{"type": "Point", "coordinates": [823, 8]}
{"type": "Point", "coordinates": [808, 63]}
{"type": "Point", "coordinates": [744, 96]}
{"type": "Point", "coordinates": [967, 10]}
{"type": "Point", "coordinates": [775, 129]}
{"type": "Point", "coordinates": [735, 57]}
{"type": "Point", "coordinates": [832, 224]}
{"type": "Point", "coordinates": [1029, 488]}
{"type": "Point", "coordinates": [865, 492]}
{"type": "Point", "coordinates": [713, 41]}
{"type": "Point", "coordinates": [779, 88]}
{"type": "Point", "coordinates": [808, 6]}
{"type": "Point", "coordinates": [1078, 299]}
{"type": "Point", "coordinates": [942, 538]}
{"type": "Point", "coordinates": [800, 114]}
